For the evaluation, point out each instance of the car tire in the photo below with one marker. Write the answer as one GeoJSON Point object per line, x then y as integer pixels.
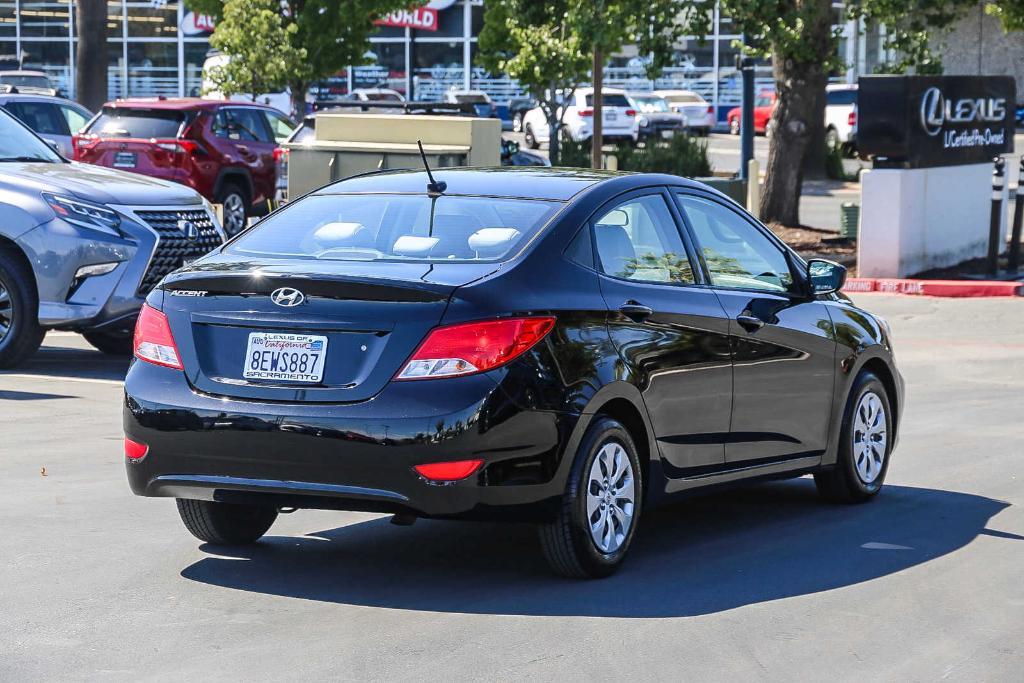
{"type": "Point", "coordinates": [517, 122]}
{"type": "Point", "coordinates": [20, 333]}
{"type": "Point", "coordinates": [225, 523]}
{"type": "Point", "coordinates": [531, 139]}
{"type": "Point", "coordinates": [734, 126]}
{"type": "Point", "coordinates": [568, 543]}
{"type": "Point", "coordinates": [865, 445]}
{"type": "Point", "coordinates": [236, 210]}
{"type": "Point", "coordinates": [111, 343]}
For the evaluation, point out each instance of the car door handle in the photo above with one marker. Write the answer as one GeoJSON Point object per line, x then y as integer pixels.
{"type": "Point", "coordinates": [750, 323]}
{"type": "Point", "coordinates": [636, 311]}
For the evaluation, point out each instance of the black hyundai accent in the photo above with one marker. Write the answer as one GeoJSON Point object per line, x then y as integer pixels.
{"type": "Point", "coordinates": [564, 346]}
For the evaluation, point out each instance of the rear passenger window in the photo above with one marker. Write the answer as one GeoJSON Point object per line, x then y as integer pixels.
{"type": "Point", "coordinates": [42, 117]}
{"type": "Point", "coordinates": [638, 240]}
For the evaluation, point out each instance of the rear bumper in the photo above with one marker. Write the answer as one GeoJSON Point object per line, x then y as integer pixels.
{"type": "Point", "coordinates": [357, 456]}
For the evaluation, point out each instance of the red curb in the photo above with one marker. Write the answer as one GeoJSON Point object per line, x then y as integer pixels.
{"type": "Point", "coordinates": [949, 288]}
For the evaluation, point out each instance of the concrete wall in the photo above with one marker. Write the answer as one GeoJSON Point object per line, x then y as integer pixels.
{"type": "Point", "coordinates": [979, 36]}
{"type": "Point", "coordinates": [918, 219]}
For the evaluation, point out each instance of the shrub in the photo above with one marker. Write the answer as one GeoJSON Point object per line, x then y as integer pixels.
{"type": "Point", "coordinates": [680, 155]}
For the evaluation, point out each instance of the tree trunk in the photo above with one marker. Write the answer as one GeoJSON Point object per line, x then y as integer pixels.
{"type": "Point", "coordinates": [91, 58]}
{"type": "Point", "coordinates": [597, 140]}
{"type": "Point", "coordinates": [799, 113]}
{"type": "Point", "coordinates": [298, 94]}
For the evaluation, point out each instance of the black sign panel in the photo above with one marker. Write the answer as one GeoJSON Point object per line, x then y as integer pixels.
{"type": "Point", "coordinates": [923, 121]}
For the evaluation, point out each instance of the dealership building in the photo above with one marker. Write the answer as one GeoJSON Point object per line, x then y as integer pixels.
{"type": "Point", "coordinates": [158, 48]}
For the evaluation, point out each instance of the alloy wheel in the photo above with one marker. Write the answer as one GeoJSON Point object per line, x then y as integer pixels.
{"type": "Point", "coordinates": [869, 437]}
{"type": "Point", "coordinates": [6, 312]}
{"type": "Point", "coordinates": [234, 214]}
{"type": "Point", "coordinates": [610, 497]}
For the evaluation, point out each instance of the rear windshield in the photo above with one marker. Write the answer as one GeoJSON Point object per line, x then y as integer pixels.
{"type": "Point", "coordinates": [383, 227]}
{"type": "Point", "coordinates": [609, 101]}
{"type": "Point", "coordinates": [841, 97]}
{"type": "Point", "coordinates": [685, 97]}
{"type": "Point", "coordinates": [137, 123]}
{"type": "Point", "coordinates": [26, 80]}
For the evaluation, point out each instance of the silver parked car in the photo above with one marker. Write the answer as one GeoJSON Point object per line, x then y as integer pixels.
{"type": "Point", "coordinates": [54, 119]}
{"type": "Point", "coordinates": [81, 246]}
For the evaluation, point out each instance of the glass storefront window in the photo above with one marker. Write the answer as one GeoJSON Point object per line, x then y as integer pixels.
{"type": "Point", "coordinates": [449, 24]}
{"type": "Point", "coordinates": [115, 70]}
{"type": "Point", "coordinates": [8, 22]}
{"type": "Point", "coordinates": [387, 69]}
{"type": "Point", "coordinates": [152, 69]}
{"type": "Point", "coordinates": [147, 21]}
{"type": "Point", "coordinates": [45, 19]}
{"type": "Point", "coordinates": [438, 68]}
{"type": "Point", "coordinates": [53, 57]}
{"type": "Point", "coordinates": [195, 56]}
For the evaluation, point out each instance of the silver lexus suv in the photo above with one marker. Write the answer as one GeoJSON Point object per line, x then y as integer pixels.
{"type": "Point", "coordinates": [81, 246]}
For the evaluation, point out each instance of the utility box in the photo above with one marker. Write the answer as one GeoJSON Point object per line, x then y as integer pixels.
{"type": "Point", "coordinates": [349, 144]}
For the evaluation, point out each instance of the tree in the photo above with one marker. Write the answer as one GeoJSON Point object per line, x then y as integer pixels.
{"type": "Point", "coordinates": [334, 34]}
{"type": "Point", "coordinates": [551, 48]}
{"type": "Point", "coordinates": [262, 57]}
{"type": "Point", "coordinates": [802, 42]}
{"type": "Point", "coordinates": [91, 70]}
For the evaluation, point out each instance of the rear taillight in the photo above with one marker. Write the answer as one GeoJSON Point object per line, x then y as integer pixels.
{"type": "Point", "coordinates": [448, 471]}
{"type": "Point", "coordinates": [852, 119]}
{"type": "Point", "coordinates": [468, 348]}
{"type": "Point", "coordinates": [180, 146]}
{"type": "Point", "coordinates": [154, 342]}
{"type": "Point", "coordinates": [711, 109]}
{"type": "Point", "coordinates": [81, 142]}
{"type": "Point", "coordinates": [631, 112]}
{"type": "Point", "coordinates": [133, 450]}
{"type": "Point", "coordinates": [586, 112]}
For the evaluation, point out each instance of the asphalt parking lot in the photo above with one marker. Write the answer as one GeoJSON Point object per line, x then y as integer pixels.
{"type": "Point", "coordinates": [763, 583]}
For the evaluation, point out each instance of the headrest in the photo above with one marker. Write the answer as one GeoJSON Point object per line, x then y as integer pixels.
{"type": "Point", "coordinates": [492, 241]}
{"type": "Point", "coordinates": [615, 250]}
{"type": "Point", "coordinates": [414, 245]}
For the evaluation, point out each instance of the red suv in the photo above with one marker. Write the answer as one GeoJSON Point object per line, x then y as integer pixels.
{"type": "Point", "coordinates": [764, 105]}
{"type": "Point", "coordinates": [226, 150]}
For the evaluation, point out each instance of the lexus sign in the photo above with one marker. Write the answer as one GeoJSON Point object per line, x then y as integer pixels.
{"type": "Point", "coordinates": [920, 121]}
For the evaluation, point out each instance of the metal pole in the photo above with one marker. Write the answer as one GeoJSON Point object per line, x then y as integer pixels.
{"type": "Point", "coordinates": [746, 116]}
{"type": "Point", "coordinates": [1018, 215]}
{"type": "Point", "coordinates": [995, 220]}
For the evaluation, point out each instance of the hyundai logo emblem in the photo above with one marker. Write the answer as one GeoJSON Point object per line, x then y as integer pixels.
{"type": "Point", "coordinates": [287, 297]}
{"type": "Point", "coordinates": [189, 230]}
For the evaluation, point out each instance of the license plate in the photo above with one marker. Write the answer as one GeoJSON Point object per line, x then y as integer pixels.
{"type": "Point", "coordinates": [611, 115]}
{"type": "Point", "coordinates": [125, 160]}
{"type": "Point", "coordinates": [285, 357]}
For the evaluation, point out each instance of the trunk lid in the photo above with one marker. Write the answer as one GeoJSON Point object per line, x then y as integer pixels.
{"type": "Point", "coordinates": [370, 316]}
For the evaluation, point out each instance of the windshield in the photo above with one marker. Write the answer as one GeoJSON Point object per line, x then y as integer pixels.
{"type": "Point", "coordinates": [382, 227]}
{"type": "Point", "coordinates": [609, 100]}
{"type": "Point", "coordinates": [651, 104]}
{"type": "Point", "coordinates": [118, 122]}
{"type": "Point", "coordinates": [25, 80]}
{"type": "Point", "coordinates": [18, 144]}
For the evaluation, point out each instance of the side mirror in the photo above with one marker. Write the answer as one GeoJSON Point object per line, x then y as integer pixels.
{"type": "Point", "coordinates": [825, 277]}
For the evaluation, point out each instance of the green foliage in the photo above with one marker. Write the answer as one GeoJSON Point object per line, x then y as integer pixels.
{"type": "Point", "coordinates": [259, 45]}
{"type": "Point", "coordinates": [548, 46]}
{"type": "Point", "coordinates": [681, 155]}
{"type": "Point", "coordinates": [834, 168]}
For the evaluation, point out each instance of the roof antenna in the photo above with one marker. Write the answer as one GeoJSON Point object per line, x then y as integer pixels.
{"type": "Point", "coordinates": [433, 187]}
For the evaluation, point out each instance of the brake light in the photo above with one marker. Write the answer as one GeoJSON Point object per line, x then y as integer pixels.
{"type": "Point", "coordinates": [448, 471]}
{"type": "Point", "coordinates": [81, 142]}
{"type": "Point", "coordinates": [852, 119]}
{"type": "Point", "coordinates": [468, 348]}
{"type": "Point", "coordinates": [631, 112]}
{"type": "Point", "coordinates": [154, 342]}
{"type": "Point", "coordinates": [586, 112]}
{"type": "Point", "coordinates": [711, 109]}
{"type": "Point", "coordinates": [180, 146]}
{"type": "Point", "coordinates": [133, 450]}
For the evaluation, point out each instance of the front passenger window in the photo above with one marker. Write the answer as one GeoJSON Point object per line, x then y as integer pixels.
{"type": "Point", "coordinates": [638, 240]}
{"type": "Point", "coordinates": [737, 254]}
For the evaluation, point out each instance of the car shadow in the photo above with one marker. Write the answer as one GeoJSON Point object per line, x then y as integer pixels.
{"type": "Point", "coordinates": [699, 556]}
{"type": "Point", "coordinates": [62, 357]}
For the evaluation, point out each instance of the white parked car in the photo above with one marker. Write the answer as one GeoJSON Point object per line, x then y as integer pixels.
{"type": "Point", "coordinates": [618, 123]}
{"type": "Point", "coordinates": [700, 115]}
{"type": "Point", "coordinates": [841, 115]}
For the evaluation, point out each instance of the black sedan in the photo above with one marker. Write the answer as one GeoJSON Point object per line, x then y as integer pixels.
{"type": "Point", "coordinates": [562, 346]}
